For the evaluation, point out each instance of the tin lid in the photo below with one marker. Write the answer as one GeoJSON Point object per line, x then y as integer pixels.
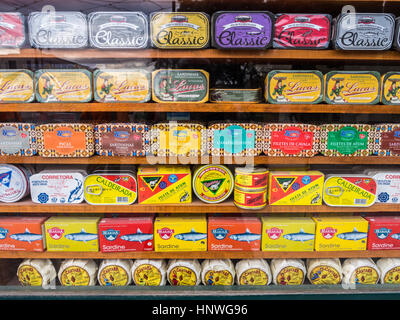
{"type": "Point", "coordinates": [12, 30]}
{"type": "Point", "coordinates": [61, 29]}
{"type": "Point", "coordinates": [250, 170]}
{"type": "Point", "coordinates": [121, 30]}
{"type": "Point", "coordinates": [14, 183]}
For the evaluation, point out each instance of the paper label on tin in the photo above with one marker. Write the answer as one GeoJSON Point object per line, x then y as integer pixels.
{"type": "Point", "coordinates": [75, 276]}
{"type": "Point", "coordinates": [234, 139]}
{"type": "Point", "coordinates": [292, 140]}
{"type": "Point", "coordinates": [16, 86]}
{"type": "Point", "coordinates": [364, 275]}
{"type": "Point", "coordinates": [182, 276]}
{"type": "Point", "coordinates": [218, 278]}
{"type": "Point", "coordinates": [64, 140]}
{"type": "Point", "coordinates": [391, 88]}
{"type": "Point", "coordinates": [12, 30]}
{"type": "Point", "coordinates": [122, 142]}
{"type": "Point", "coordinates": [290, 276]}
{"type": "Point", "coordinates": [325, 275]}
{"type": "Point", "coordinates": [347, 140]}
{"type": "Point", "coordinates": [29, 276]}
{"type": "Point", "coordinates": [253, 277]}
{"type": "Point", "coordinates": [147, 275]}
{"type": "Point", "coordinates": [391, 141]}
{"type": "Point", "coordinates": [392, 276]}
{"type": "Point", "coordinates": [113, 275]}
{"type": "Point", "coordinates": [248, 30]}
{"type": "Point", "coordinates": [13, 140]}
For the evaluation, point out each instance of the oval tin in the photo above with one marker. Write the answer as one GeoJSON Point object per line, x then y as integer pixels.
{"type": "Point", "coordinates": [63, 85]}
{"type": "Point", "coordinates": [65, 140]}
{"type": "Point", "coordinates": [179, 30]}
{"type": "Point", "coordinates": [242, 29]}
{"type": "Point", "coordinates": [55, 30]}
{"type": "Point", "coordinates": [347, 140]}
{"type": "Point", "coordinates": [118, 30]}
{"type": "Point", "coordinates": [58, 186]}
{"type": "Point", "coordinates": [294, 86]}
{"type": "Point", "coordinates": [17, 139]}
{"type": "Point", "coordinates": [110, 188]}
{"type": "Point", "coordinates": [352, 87]}
{"type": "Point", "coordinates": [14, 182]}
{"type": "Point", "coordinates": [12, 30]}
{"type": "Point", "coordinates": [302, 31]}
{"type": "Point", "coordinates": [291, 139]}
{"type": "Point", "coordinates": [390, 93]}
{"type": "Point", "coordinates": [364, 31]}
{"type": "Point", "coordinates": [213, 183]}
{"type": "Point", "coordinates": [122, 139]}
{"type": "Point", "coordinates": [180, 85]}
{"type": "Point", "coordinates": [16, 86]}
{"type": "Point", "coordinates": [349, 191]}
{"type": "Point", "coordinates": [128, 85]}
{"type": "Point", "coordinates": [387, 139]}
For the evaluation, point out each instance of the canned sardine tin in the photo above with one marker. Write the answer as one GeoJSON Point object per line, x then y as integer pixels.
{"type": "Point", "coordinates": [121, 30]}
{"type": "Point", "coordinates": [12, 30]}
{"type": "Point", "coordinates": [64, 29]}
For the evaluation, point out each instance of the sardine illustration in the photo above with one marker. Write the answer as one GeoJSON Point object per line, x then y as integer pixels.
{"type": "Point", "coordinates": [300, 236]}
{"type": "Point", "coordinates": [184, 197]}
{"type": "Point", "coordinates": [191, 236]}
{"type": "Point", "coordinates": [354, 235]}
{"type": "Point", "coordinates": [26, 236]}
{"type": "Point", "coordinates": [247, 236]}
{"type": "Point", "coordinates": [395, 236]}
{"type": "Point", "coordinates": [81, 236]}
{"type": "Point", "coordinates": [76, 194]}
{"type": "Point", "coordinates": [139, 236]}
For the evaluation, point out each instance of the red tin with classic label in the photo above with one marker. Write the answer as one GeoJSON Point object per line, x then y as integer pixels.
{"type": "Point", "coordinates": [12, 30]}
{"type": "Point", "coordinates": [302, 31]}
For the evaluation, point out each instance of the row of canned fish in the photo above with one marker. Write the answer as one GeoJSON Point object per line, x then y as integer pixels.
{"type": "Point", "coordinates": [252, 187]}
{"type": "Point", "coordinates": [193, 30]}
{"type": "Point", "coordinates": [190, 139]}
{"type": "Point", "coordinates": [259, 272]}
{"type": "Point", "coordinates": [192, 85]}
{"type": "Point", "coordinates": [199, 232]}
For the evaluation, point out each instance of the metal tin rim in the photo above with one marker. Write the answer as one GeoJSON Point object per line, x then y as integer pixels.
{"type": "Point", "coordinates": [24, 176]}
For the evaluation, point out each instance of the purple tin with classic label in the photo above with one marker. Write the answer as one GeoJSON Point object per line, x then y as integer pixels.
{"type": "Point", "coordinates": [242, 29]}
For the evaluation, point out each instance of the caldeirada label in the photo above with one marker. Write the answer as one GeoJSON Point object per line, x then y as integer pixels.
{"type": "Point", "coordinates": [179, 30]}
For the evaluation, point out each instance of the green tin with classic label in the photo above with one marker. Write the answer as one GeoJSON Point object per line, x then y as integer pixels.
{"type": "Point", "coordinates": [347, 139]}
{"type": "Point", "coordinates": [180, 85]}
{"type": "Point", "coordinates": [179, 30]}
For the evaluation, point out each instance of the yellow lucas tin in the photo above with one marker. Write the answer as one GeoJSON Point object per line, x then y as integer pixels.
{"type": "Point", "coordinates": [16, 86]}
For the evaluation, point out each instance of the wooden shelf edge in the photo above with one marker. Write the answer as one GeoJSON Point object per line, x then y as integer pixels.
{"type": "Point", "coordinates": [201, 255]}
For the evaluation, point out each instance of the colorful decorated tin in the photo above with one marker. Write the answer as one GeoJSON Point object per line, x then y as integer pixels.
{"type": "Point", "coordinates": [111, 188]}
{"type": "Point", "coordinates": [178, 139]}
{"type": "Point", "coordinates": [390, 85]}
{"type": "Point", "coordinates": [16, 85]}
{"type": "Point", "coordinates": [14, 182]}
{"type": "Point", "coordinates": [364, 31]}
{"type": "Point", "coordinates": [235, 138]}
{"type": "Point", "coordinates": [118, 30]}
{"type": "Point", "coordinates": [12, 30]}
{"type": "Point", "coordinates": [347, 140]}
{"type": "Point", "coordinates": [295, 187]}
{"type": "Point", "coordinates": [122, 139]}
{"type": "Point", "coordinates": [242, 29]}
{"type": "Point", "coordinates": [302, 31]}
{"type": "Point", "coordinates": [349, 191]}
{"type": "Point", "coordinates": [352, 87]}
{"type": "Point", "coordinates": [294, 86]}
{"type": "Point", "coordinates": [291, 139]}
{"type": "Point", "coordinates": [55, 30]}
{"type": "Point", "coordinates": [180, 85]}
{"type": "Point", "coordinates": [387, 139]}
{"type": "Point", "coordinates": [73, 85]}
{"type": "Point", "coordinates": [65, 140]}
{"type": "Point", "coordinates": [127, 85]}
{"type": "Point", "coordinates": [213, 183]}
{"type": "Point", "coordinates": [251, 177]}
{"type": "Point", "coordinates": [235, 95]}
{"type": "Point", "coordinates": [17, 139]}
{"type": "Point", "coordinates": [179, 30]}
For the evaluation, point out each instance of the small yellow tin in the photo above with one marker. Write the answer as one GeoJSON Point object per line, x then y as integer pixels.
{"type": "Point", "coordinates": [16, 86]}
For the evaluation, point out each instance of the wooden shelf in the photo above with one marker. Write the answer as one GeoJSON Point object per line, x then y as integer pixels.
{"type": "Point", "coordinates": [237, 160]}
{"type": "Point", "coordinates": [199, 107]}
{"type": "Point", "coordinates": [200, 255]}
{"type": "Point", "coordinates": [267, 55]}
{"type": "Point", "coordinates": [27, 206]}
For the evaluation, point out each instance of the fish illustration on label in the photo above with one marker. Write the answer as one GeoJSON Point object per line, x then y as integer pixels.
{"type": "Point", "coordinates": [354, 235]}
{"type": "Point", "coordinates": [246, 236]}
{"type": "Point", "coordinates": [395, 236]}
{"type": "Point", "coordinates": [81, 236]}
{"type": "Point", "coordinates": [139, 236]}
{"type": "Point", "coordinates": [26, 236]}
{"type": "Point", "coordinates": [299, 236]}
{"type": "Point", "coordinates": [191, 236]}
{"type": "Point", "coordinates": [3, 233]}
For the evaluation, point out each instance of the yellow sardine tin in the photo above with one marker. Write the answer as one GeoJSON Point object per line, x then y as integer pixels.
{"type": "Point", "coordinates": [180, 233]}
{"type": "Point", "coordinates": [16, 86]}
{"type": "Point", "coordinates": [63, 85]}
{"type": "Point", "coordinates": [287, 86]}
{"type": "Point", "coordinates": [390, 88]}
{"type": "Point", "coordinates": [179, 30]}
{"type": "Point", "coordinates": [347, 87]}
{"type": "Point", "coordinates": [340, 233]}
{"type": "Point", "coordinates": [122, 85]}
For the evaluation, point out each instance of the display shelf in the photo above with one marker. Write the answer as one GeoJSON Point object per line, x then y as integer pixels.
{"type": "Point", "coordinates": [27, 206]}
{"type": "Point", "coordinates": [237, 160]}
{"type": "Point", "coordinates": [267, 55]}
{"type": "Point", "coordinates": [200, 107]}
